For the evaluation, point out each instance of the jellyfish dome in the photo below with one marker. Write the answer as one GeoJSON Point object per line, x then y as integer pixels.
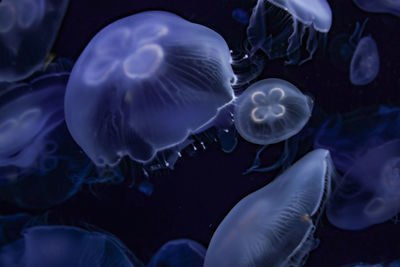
{"type": "Point", "coordinates": [270, 111]}
{"type": "Point", "coordinates": [144, 84]}
{"type": "Point", "coordinates": [274, 226]}
{"type": "Point", "coordinates": [379, 6]}
{"type": "Point", "coordinates": [369, 192]}
{"type": "Point", "coordinates": [60, 246]}
{"type": "Point", "coordinates": [21, 22]}
{"type": "Point", "coordinates": [282, 35]}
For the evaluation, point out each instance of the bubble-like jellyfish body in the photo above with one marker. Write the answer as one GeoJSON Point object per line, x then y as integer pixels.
{"type": "Point", "coordinates": [21, 22]}
{"type": "Point", "coordinates": [364, 66]}
{"type": "Point", "coordinates": [277, 27]}
{"type": "Point", "coordinates": [144, 84]}
{"type": "Point", "coordinates": [274, 226]}
{"type": "Point", "coordinates": [270, 111]}
{"type": "Point", "coordinates": [60, 246]}
{"type": "Point", "coordinates": [379, 6]}
{"type": "Point", "coordinates": [369, 192]}
{"type": "Point", "coordinates": [179, 253]}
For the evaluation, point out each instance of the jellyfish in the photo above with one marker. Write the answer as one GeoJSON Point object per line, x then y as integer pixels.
{"type": "Point", "coordinates": [369, 192]}
{"type": "Point", "coordinates": [274, 226]}
{"type": "Point", "coordinates": [379, 6]}
{"type": "Point", "coordinates": [179, 253]}
{"type": "Point", "coordinates": [21, 21]}
{"type": "Point", "coordinates": [277, 27]}
{"type": "Point", "coordinates": [166, 79]}
{"type": "Point", "coordinates": [60, 246]}
{"type": "Point", "coordinates": [270, 111]}
{"type": "Point", "coordinates": [240, 16]}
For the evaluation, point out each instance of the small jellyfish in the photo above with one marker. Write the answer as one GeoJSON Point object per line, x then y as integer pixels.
{"type": "Point", "coordinates": [21, 22]}
{"type": "Point", "coordinates": [369, 192]}
{"type": "Point", "coordinates": [240, 16]}
{"type": "Point", "coordinates": [179, 253]}
{"type": "Point", "coordinates": [364, 66]}
{"type": "Point", "coordinates": [144, 84]}
{"type": "Point", "coordinates": [277, 27]}
{"type": "Point", "coordinates": [379, 6]}
{"type": "Point", "coordinates": [66, 246]}
{"type": "Point", "coordinates": [270, 111]}
{"type": "Point", "coordinates": [274, 226]}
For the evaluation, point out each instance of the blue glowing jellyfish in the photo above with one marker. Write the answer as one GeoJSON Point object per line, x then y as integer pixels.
{"type": "Point", "coordinates": [369, 192]}
{"type": "Point", "coordinates": [380, 6]}
{"type": "Point", "coordinates": [166, 79]}
{"type": "Point", "coordinates": [274, 226]}
{"type": "Point", "coordinates": [240, 16]}
{"type": "Point", "coordinates": [66, 246]}
{"type": "Point", "coordinates": [179, 253]}
{"type": "Point", "coordinates": [21, 22]}
{"type": "Point", "coordinates": [270, 111]}
{"type": "Point", "coordinates": [277, 27]}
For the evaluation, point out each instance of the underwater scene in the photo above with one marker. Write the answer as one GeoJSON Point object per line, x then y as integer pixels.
{"type": "Point", "coordinates": [172, 133]}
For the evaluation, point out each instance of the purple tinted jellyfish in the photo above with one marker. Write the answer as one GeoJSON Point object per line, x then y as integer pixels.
{"type": "Point", "coordinates": [277, 27]}
{"type": "Point", "coordinates": [270, 111]}
{"type": "Point", "coordinates": [369, 192]}
{"type": "Point", "coordinates": [380, 6]}
{"type": "Point", "coordinates": [21, 22]}
{"type": "Point", "coordinates": [144, 84]}
{"type": "Point", "coordinates": [179, 253]}
{"type": "Point", "coordinates": [66, 246]}
{"type": "Point", "coordinates": [274, 226]}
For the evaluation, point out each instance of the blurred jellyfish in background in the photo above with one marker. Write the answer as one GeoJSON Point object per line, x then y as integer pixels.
{"type": "Point", "coordinates": [60, 246]}
{"type": "Point", "coordinates": [369, 192]}
{"type": "Point", "coordinates": [11, 225]}
{"type": "Point", "coordinates": [166, 79]}
{"type": "Point", "coordinates": [38, 164]}
{"type": "Point", "coordinates": [379, 6]}
{"type": "Point", "coordinates": [278, 27]}
{"type": "Point", "coordinates": [21, 22]}
{"type": "Point", "coordinates": [240, 16]}
{"type": "Point", "coordinates": [395, 263]}
{"type": "Point", "coordinates": [179, 253]}
{"type": "Point", "coordinates": [274, 226]}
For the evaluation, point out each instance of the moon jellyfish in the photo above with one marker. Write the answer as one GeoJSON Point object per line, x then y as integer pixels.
{"type": "Point", "coordinates": [21, 22]}
{"type": "Point", "coordinates": [60, 246]}
{"type": "Point", "coordinates": [278, 27]}
{"type": "Point", "coordinates": [364, 66]}
{"type": "Point", "coordinates": [270, 111]}
{"type": "Point", "coordinates": [274, 226]}
{"type": "Point", "coordinates": [369, 192]}
{"type": "Point", "coordinates": [179, 253]}
{"type": "Point", "coordinates": [144, 84]}
{"type": "Point", "coordinates": [379, 6]}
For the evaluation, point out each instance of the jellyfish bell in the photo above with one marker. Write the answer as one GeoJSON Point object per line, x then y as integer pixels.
{"type": "Point", "coordinates": [166, 79]}
{"type": "Point", "coordinates": [379, 6]}
{"type": "Point", "coordinates": [274, 226]}
{"type": "Point", "coordinates": [368, 193]}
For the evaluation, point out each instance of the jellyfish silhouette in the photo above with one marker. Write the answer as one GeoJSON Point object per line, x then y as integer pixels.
{"type": "Point", "coordinates": [270, 111]}
{"type": "Point", "coordinates": [60, 246]}
{"type": "Point", "coordinates": [179, 253]}
{"type": "Point", "coordinates": [379, 6]}
{"type": "Point", "coordinates": [166, 79]}
{"type": "Point", "coordinates": [21, 21]}
{"type": "Point", "coordinates": [369, 192]}
{"type": "Point", "coordinates": [274, 226]}
{"type": "Point", "coordinates": [277, 27]}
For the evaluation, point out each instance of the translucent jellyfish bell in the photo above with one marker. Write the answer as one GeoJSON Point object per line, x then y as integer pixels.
{"type": "Point", "coordinates": [144, 84]}
{"type": "Point", "coordinates": [274, 226]}
{"type": "Point", "coordinates": [270, 111]}
{"type": "Point", "coordinates": [379, 6]}
{"type": "Point", "coordinates": [21, 22]}
{"type": "Point", "coordinates": [369, 192]}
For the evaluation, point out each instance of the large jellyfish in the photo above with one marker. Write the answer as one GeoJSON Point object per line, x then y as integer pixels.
{"type": "Point", "coordinates": [277, 27]}
{"type": "Point", "coordinates": [274, 226]}
{"type": "Point", "coordinates": [144, 84]}
{"type": "Point", "coordinates": [380, 6]}
{"type": "Point", "coordinates": [21, 22]}
{"type": "Point", "coordinates": [270, 111]}
{"type": "Point", "coordinates": [369, 192]}
{"type": "Point", "coordinates": [179, 253]}
{"type": "Point", "coordinates": [60, 246]}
